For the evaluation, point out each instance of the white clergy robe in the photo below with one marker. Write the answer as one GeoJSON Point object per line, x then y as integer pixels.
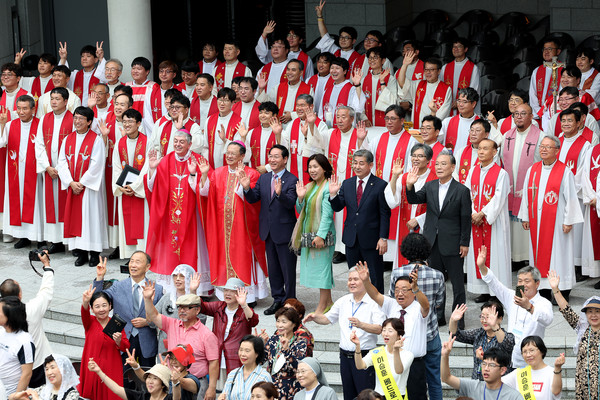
{"type": "Point", "coordinates": [148, 107]}
{"type": "Point", "coordinates": [277, 70]}
{"type": "Point", "coordinates": [594, 90]}
{"type": "Point", "coordinates": [94, 236]}
{"type": "Point", "coordinates": [496, 215]}
{"type": "Point", "coordinates": [394, 201]}
{"type": "Point", "coordinates": [365, 67]}
{"type": "Point", "coordinates": [52, 232]}
{"type": "Point", "coordinates": [589, 266]}
{"type": "Point", "coordinates": [497, 136]}
{"type": "Point", "coordinates": [246, 112]}
{"type": "Point", "coordinates": [98, 72]}
{"type": "Point", "coordinates": [264, 55]}
{"type": "Point", "coordinates": [353, 101]}
{"type": "Point", "coordinates": [410, 71]}
{"type": "Point", "coordinates": [387, 97]}
{"type": "Point", "coordinates": [209, 67]}
{"type": "Point", "coordinates": [474, 158]}
{"type": "Point", "coordinates": [43, 106]}
{"type": "Point", "coordinates": [33, 231]}
{"type": "Point", "coordinates": [458, 66]}
{"type": "Point", "coordinates": [230, 69]}
{"type": "Point", "coordinates": [261, 151]}
{"type": "Point", "coordinates": [220, 145]}
{"type": "Point", "coordinates": [125, 250]}
{"type": "Point", "coordinates": [199, 144]}
{"type": "Point", "coordinates": [189, 91]}
{"type": "Point", "coordinates": [10, 104]}
{"type": "Point", "coordinates": [102, 113]}
{"type": "Point", "coordinates": [304, 146]}
{"type": "Point", "coordinates": [409, 94]}
{"type": "Point", "coordinates": [26, 83]}
{"type": "Point", "coordinates": [290, 100]}
{"type": "Point", "coordinates": [462, 134]}
{"type": "Point", "coordinates": [590, 122]}
{"type": "Point", "coordinates": [568, 213]}
{"type": "Point", "coordinates": [204, 110]}
{"type": "Point", "coordinates": [319, 91]}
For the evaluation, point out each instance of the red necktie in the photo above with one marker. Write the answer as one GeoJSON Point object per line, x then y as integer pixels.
{"type": "Point", "coordinates": [402, 313]}
{"type": "Point", "coordinates": [359, 192]}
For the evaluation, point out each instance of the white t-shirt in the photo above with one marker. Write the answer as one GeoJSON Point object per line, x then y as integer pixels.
{"type": "Point", "coordinates": [405, 356]}
{"type": "Point", "coordinates": [230, 314]}
{"type": "Point", "coordinates": [541, 381]}
{"type": "Point", "coordinates": [15, 349]}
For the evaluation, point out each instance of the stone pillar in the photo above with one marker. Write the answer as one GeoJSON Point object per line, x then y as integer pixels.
{"type": "Point", "coordinates": [130, 32]}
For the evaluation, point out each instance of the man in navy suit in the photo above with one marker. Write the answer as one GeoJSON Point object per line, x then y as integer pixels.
{"type": "Point", "coordinates": [276, 191]}
{"type": "Point", "coordinates": [367, 222]}
{"type": "Point", "coordinates": [128, 303]}
{"type": "Point", "coordinates": [447, 224]}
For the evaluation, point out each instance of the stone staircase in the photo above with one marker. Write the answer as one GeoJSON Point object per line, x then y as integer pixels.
{"type": "Point", "coordinates": [66, 334]}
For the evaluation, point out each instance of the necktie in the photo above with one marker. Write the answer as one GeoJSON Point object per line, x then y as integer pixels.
{"type": "Point", "coordinates": [273, 186]}
{"type": "Point", "coordinates": [136, 306]}
{"type": "Point", "coordinates": [359, 192]}
{"type": "Point", "coordinates": [402, 313]}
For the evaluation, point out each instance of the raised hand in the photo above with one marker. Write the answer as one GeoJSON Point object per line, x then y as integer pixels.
{"type": "Point", "coordinates": [102, 126]}
{"type": "Point", "coordinates": [3, 116]}
{"type": "Point", "coordinates": [304, 128]}
{"type": "Point", "coordinates": [361, 131]}
{"type": "Point", "coordinates": [99, 50]}
{"type": "Point", "coordinates": [334, 185]}
{"type": "Point", "coordinates": [479, 353]}
{"type": "Point", "coordinates": [276, 126]}
{"type": "Point", "coordinates": [412, 177]}
{"type": "Point", "coordinates": [243, 178]}
{"type": "Point", "coordinates": [319, 8]}
{"type": "Point", "coordinates": [398, 167]}
{"type": "Point", "coordinates": [354, 338]}
{"type": "Point", "coordinates": [560, 361]}
{"type": "Point", "coordinates": [311, 117]}
{"type": "Point", "coordinates": [263, 334]}
{"type": "Point", "coordinates": [194, 283]}
{"type": "Point", "coordinates": [414, 275]}
{"type": "Point", "coordinates": [262, 82]}
{"type": "Point", "coordinates": [458, 312]}
{"type": "Point", "coordinates": [148, 290]}
{"type": "Point", "coordinates": [204, 167]}
{"type": "Point", "coordinates": [363, 271]}
{"type": "Point", "coordinates": [492, 118]}
{"type": "Point", "coordinates": [300, 191]}
{"type": "Point", "coordinates": [356, 76]}
{"type": "Point", "coordinates": [492, 319]}
{"type": "Point", "coordinates": [268, 29]}
{"type": "Point", "coordinates": [409, 57]}
{"type": "Point", "coordinates": [192, 165]}
{"type": "Point", "coordinates": [179, 122]}
{"type": "Point", "coordinates": [221, 132]}
{"type": "Point", "coordinates": [19, 56]}
{"type": "Point", "coordinates": [62, 50]}
{"type": "Point", "coordinates": [242, 130]}
{"type": "Point", "coordinates": [553, 280]}
{"type": "Point", "coordinates": [92, 99]}
{"type": "Point", "coordinates": [384, 74]}
{"type": "Point", "coordinates": [101, 269]}
{"type": "Point", "coordinates": [447, 346]}
{"type": "Point", "coordinates": [399, 343]}
{"type": "Point", "coordinates": [278, 186]}
{"type": "Point", "coordinates": [87, 296]}
{"type": "Point", "coordinates": [433, 107]}
{"type": "Point", "coordinates": [240, 296]}
{"type": "Point", "coordinates": [481, 260]}
{"type": "Point", "coordinates": [153, 159]}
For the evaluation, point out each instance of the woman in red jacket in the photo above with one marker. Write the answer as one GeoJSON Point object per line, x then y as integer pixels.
{"type": "Point", "coordinates": [233, 319]}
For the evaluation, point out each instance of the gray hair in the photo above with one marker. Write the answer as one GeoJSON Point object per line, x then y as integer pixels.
{"type": "Point", "coordinates": [307, 98]}
{"type": "Point", "coordinates": [116, 61]}
{"type": "Point", "coordinates": [554, 139]}
{"type": "Point", "coordinates": [351, 112]}
{"type": "Point", "coordinates": [470, 93]}
{"type": "Point", "coordinates": [426, 149]}
{"type": "Point", "coordinates": [447, 152]}
{"type": "Point", "coordinates": [535, 273]}
{"type": "Point", "coordinates": [363, 153]}
{"type": "Point", "coordinates": [185, 134]}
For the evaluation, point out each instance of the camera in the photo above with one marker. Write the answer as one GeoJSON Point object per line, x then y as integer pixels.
{"type": "Point", "coordinates": [33, 254]}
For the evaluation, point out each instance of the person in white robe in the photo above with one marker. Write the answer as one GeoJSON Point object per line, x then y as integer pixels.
{"type": "Point", "coordinates": [231, 51]}
{"type": "Point", "coordinates": [94, 235]}
{"type": "Point", "coordinates": [24, 133]}
{"type": "Point", "coordinates": [568, 214]}
{"type": "Point", "coordinates": [60, 78]}
{"type": "Point", "coordinates": [331, 98]}
{"type": "Point", "coordinates": [223, 129]}
{"type": "Point", "coordinates": [590, 258]}
{"type": "Point", "coordinates": [494, 214]}
{"type": "Point", "coordinates": [53, 232]}
{"type": "Point", "coordinates": [257, 140]}
{"type": "Point", "coordinates": [90, 55]}
{"type": "Point", "coordinates": [466, 157]}
{"type": "Point", "coordinates": [248, 104]}
{"type": "Point", "coordinates": [322, 78]}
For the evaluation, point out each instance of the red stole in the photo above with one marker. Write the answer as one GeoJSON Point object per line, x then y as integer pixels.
{"type": "Point", "coordinates": [438, 97]}
{"type": "Point", "coordinates": [66, 127]}
{"type": "Point", "coordinates": [594, 220]}
{"type": "Point", "coordinates": [295, 146]}
{"type": "Point", "coordinates": [464, 79]}
{"type": "Point", "coordinates": [255, 140]}
{"type": "Point", "coordinates": [587, 84]}
{"type": "Point", "coordinates": [542, 238]}
{"type": "Point", "coordinates": [282, 93]}
{"type": "Point", "coordinates": [111, 211]}
{"type": "Point", "coordinates": [418, 73]}
{"type": "Point", "coordinates": [253, 121]}
{"type": "Point", "coordinates": [371, 98]}
{"type": "Point", "coordinates": [195, 109]}
{"type": "Point", "coordinates": [587, 134]}
{"type": "Point", "coordinates": [335, 142]}
{"type": "Point", "coordinates": [133, 207]}
{"type": "Point", "coordinates": [437, 148]}
{"type": "Point", "coordinates": [353, 56]}
{"type": "Point", "coordinates": [211, 133]}
{"type": "Point", "coordinates": [314, 80]}
{"type": "Point", "coordinates": [266, 71]}
{"type": "Point", "coordinates": [341, 100]}
{"type": "Point", "coordinates": [36, 88]}
{"type": "Point", "coordinates": [240, 70]}
{"type": "Point", "coordinates": [506, 125]}
{"type": "Point", "coordinates": [452, 132]}
{"type": "Point", "coordinates": [465, 163]}
{"type": "Point", "coordinates": [20, 92]}
{"type": "Point", "coordinates": [172, 231]}
{"type": "Point", "coordinates": [201, 66]}
{"type": "Point", "coordinates": [380, 158]}
{"type": "Point", "coordinates": [481, 196]}
{"type": "Point", "coordinates": [302, 56]}
{"type": "Point", "coordinates": [540, 78]}
{"type": "Point", "coordinates": [404, 214]}
{"type": "Point", "coordinates": [165, 134]}
{"type": "Point", "coordinates": [78, 83]}
{"type": "Point", "coordinates": [232, 229]}
{"type": "Point", "coordinates": [156, 101]}
{"type": "Point", "coordinates": [78, 165]}
{"type": "Point", "coordinates": [30, 175]}
{"type": "Point", "coordinates": [572, 158]}
{"type": "Point", "coordinates": [139, 94]}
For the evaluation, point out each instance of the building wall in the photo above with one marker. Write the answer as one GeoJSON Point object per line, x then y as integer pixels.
{"type": "Point", "coordinates": [30, 28]}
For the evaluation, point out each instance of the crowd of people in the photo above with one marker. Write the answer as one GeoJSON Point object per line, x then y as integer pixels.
{"type": "Point", "coordinates": [221, 183]}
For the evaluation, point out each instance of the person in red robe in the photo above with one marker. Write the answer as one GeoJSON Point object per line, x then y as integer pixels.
{"type": "Point", "coordinates": [175, 233]}
{"type": "Point", "coordinates": [234, 246]}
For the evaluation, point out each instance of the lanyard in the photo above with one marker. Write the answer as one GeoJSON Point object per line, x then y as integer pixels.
{"type": "Point", "coordinates": [497, 397]}
{"type": "Point", "coordinates": [354, 312]}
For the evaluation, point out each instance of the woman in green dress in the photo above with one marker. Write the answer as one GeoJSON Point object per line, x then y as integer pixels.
{"type": "Point", "coordinates": [314, 232]}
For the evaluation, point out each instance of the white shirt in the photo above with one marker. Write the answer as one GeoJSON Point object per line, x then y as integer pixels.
{"type": "Point", "coordinates": [365, 310]}
{"type": "Point", "coordinates": [443, 191]}
{"type": "Point", "coordinates": [541, 380]}
{"type": "Point", "coordinates": [415, 325]}
{"type": "Point", "coordinates": [11, 344]}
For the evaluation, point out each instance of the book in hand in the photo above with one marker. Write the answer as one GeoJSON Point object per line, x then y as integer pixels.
{"type": "Point", "coordinates": [116, 324]}
{"type": "Point", "coordinates": [128, 176]}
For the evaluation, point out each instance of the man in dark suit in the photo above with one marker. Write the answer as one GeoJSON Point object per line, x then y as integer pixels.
{"type": "Point", "coordinates": [276, 191]}
{"type": "Point", "coordinates": [128, 303]}
{"type": "Point", "coordinates": [447, 224]}
{"type": "Point", "coordinates": [367, 222]}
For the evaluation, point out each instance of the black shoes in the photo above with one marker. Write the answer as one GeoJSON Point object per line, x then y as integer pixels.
{"type": "Point", "coordinates": [338, 258]}
{"type": "Point", "coordinates": [56, 248]}
{"type": "Point", "coordinates": [597, 285]}
{"type": "Point", "coordinates": [94, 258]}
{"type": "Point", "coordinates": [82, 258]}
{"type": "Point", "coordinates": [114, 255]}
{"type": "Point", "coordinates": [482, 298]}
{"type": "Point", "coordinates": [274, 307]}
{"type": "Point", "coordinates": [22, 243]}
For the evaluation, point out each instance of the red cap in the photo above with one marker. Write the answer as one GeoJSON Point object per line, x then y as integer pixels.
{"type": "Point", "coordinates": [183, 353]}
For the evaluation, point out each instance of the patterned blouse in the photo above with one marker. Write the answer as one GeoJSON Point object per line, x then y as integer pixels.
{"type": "Point", "coordinates": [285, 379]}
{"type": "Point", "coordinates": [478, 338]}
{"type": "Point", "coordinates": [587, 359]}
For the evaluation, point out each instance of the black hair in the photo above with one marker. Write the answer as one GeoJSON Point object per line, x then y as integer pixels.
{"type": "Point", "coordinates": [259, 347]}
{"type": "Point", "coordinates": [327, 56]}
{"type": "Point", "coordinates": [520, 93]}
{"type": "Point", "coordinates": [49, 58]}
{"type": "Point", "coordinates": [377, 50]}
{"type": "Point", "coordinates": [284, 151]}
{"type": "Point", "coordinates": [399, 111]}
{"type": "Point", "coordinates": [86, 112]}
{"type": "Point", "coordinates": [572, 90]}
{"type": "Point", "coordinates": [125, 89]}
{"type": "Point", "coordinates": [103, 295]}
{"type": "Point", "coordinates": [236, 80]}
{"type": "Point", "coordinates": [14, 311]}
{"type": "Point", "coordinates": [434, 61]}
{"type": "Point", "coordinates": [583, 109]}
{"type": "Point", "coordinates": [571, 111]}
{"type": "Point", "coordinates": [587, 52]}
{"type": "Point", "coordinates": [341, 62]}
{"type": "Point", "coordinates": [437, 123]}
{"type": "Point", "coordinates": [233, 42]}
{"type": "Point", "coordinates": [415, 247]}
{"type": "Point", "coordinates": [209, 78]}
{"type": "Point", "coordinates": [571, 70]}
{"type": "Point", "coordinates": [226, 92]}
{"type": "Point", "coordinates": [10, 287]}
{"type": "Point", "coordinates": [323, 162]}
{"type": "Point", "coordinates": [26, 99]}
{"type": "Point", "coordinates": [48, 360]}
{"type": "Point", "coordinates": [291, 314]}
{"type": "Point", "coordinates": [279, 38]}
{"type": "Point", "coordinates": [129, 98]}
{"type": "Point", "coordinates": [62, 68]}
{"type": "Point", "coordinates": [461, 40]}
{"type": "Point", "coordinates": [88, 49]}
{"type": "Point", "coordinates": [12, 67]}
{"type": "Point", "coordinates": [498, 355]}
{"type": "Point", "coordinates": [537, 342]}
{"type": "Point", "coordinates": [250, 80]}
{"type": "Point", "coordinates": [414, 43]}
{"type": "Point", "coordinates": [349, 30]}
{"type": "Point", "coordinates": [190, 66]}
{"type": "Point", "coordinates": [142, 62]}
{"type": "Point", "coordinates": [299, 62]}
{"type": "Point", "coordinates": [133, 114]}
{"type": "Point", "coordinates": [377, 34]}
{"type": "Point", "coordinates": [486, 125]}
{"type": "Point", "coordinates": [64, 93]}
{"type": "Point", "coordinates": [298, 30]}
{"type": "Point", "coordinates": [269, 106]}
{"type": "Point", "coordinates": [494, 303]}
{"type": "Point", "coordinates": [397, 325]}
{"type": "Point", "coordinates": [181, 99]}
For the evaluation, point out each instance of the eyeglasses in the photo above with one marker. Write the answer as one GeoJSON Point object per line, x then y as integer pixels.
{"type": "Point", "coordinates": [566, 98]}
{"type": "Point", "coordinates": [174, 107]}
{"type": "Point", "coordinates": [549, 48]}
{"type": "Point", "coordinates": [463, 101]}
{"type": "Point", "coordinates": [374, 58]}
{"type": "Point", "coordinates": [223, 100]}
{"type": "Point", "coordinates": [130, 122]}
{"type": "Point", "coordinates": [515, 100]}
{"type": "Point", "coordinates": [403, 291]}
{"type": "Point", "coordinates": [489, 365]}
{"type": "Point", "coordinates": [520, 114]}
{"type": "Point", "coordinates": [546, 147]}
{"type": "Point", "coordinates": [371, 40]}
{"type": "Point", "coordinates": [345, 37]}
{"type": "Point", "coordinates": [165, 71]}
{"type": "Point", "coordinates": [530, 351]}
{"type": "Point", "coordinates": [111, 69]}
{"type": "Point", "coordinates": [79, 118]}
{"type": "Point", "coordinates": [8, 74]}
{"type": "Point", "coordinates": [292, 36]}
{"type": "Point", "coordinates": [430, 69]}
{"type": "Point", "coordinates": [483, 317]}
{"type": "Point", "coordinates": [418, 155]}
{"type": "Point", "coordinates": [391, 119]}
